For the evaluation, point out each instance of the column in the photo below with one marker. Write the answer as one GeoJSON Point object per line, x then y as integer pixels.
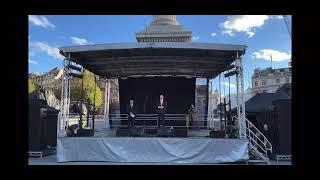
{"type": "Point", "coordinates": [210, 106]}
{"type": "Point", "coordinates": [106, 103]}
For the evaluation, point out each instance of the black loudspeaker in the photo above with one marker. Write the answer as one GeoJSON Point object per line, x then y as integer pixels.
{"type": "Point", "coordinates": [137, 131]}
{"type": "Point", "coordinates": [216, 134]}
{"type": "Point", "coordinates": [180, 132]}
{"type": "Point", "coordinates": [163, 132]}
{"type": "Point", "coordinates": [52, 119]}
{"type": "Point", "coordinates": [85, 132]}
{"type": "Point", "coordinates": [37, 125]}
{"type": "Point", "coordinates": [42, 125]}
{"type": "Point", "coordinates": [123, 132]}
{"type": "Point", "coordinates": [73, 130]}
{"type": "Point", "coordinates": [231, 131]}
{"type": "Point", "coordinates": [150, 131]}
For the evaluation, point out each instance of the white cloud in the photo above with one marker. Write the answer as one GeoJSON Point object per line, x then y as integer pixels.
{"type": "Point", "coordinates": [277, 17]}
{"type": "Point", "coordinates": [79, 41]}
{"type": "Point", "coordinates": [196, 38]}
{"type": "Point", "coordinates": [250, 33]}
{"type": "Point", "coordinates": [243, 23]}
{"type": "Point", "coordinates": [276, 55]}
{"type": "Point", "coordinates": [213, 34]}
{"type": "Point", "coordinates": [40, 21]}
{"type": "Point", "coordinates": [32, 61]}
{"type": "Point", "coordinates": [231, 85]}
{"type": "Point", "coordinates": [38, 46]}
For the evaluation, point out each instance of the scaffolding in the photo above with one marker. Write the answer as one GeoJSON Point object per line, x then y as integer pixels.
{"type": "Point", "coordinates": [63, 117]}
{"type": "Point", "coordinates": [241, 111]}
{"type": "Point", "coordinates": [241, 115]}
{"type": "Point", "coordinates": [65, 99]}
{"type": "Point", "coordinates": [66, 84]}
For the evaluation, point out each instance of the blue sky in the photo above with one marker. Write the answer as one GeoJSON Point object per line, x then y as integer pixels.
{"type": "Point", "coordinates": [263, 35]}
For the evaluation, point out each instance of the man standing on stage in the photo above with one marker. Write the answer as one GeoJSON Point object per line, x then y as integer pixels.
{"type": "Point", "coordinates": [131, 111]}
{"type": "Point", "coordinates": [161, 110]}
{"type": "Point", "coordinates": [192, 117]}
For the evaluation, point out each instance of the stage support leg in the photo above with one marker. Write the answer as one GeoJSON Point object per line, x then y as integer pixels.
{"type": "Point", "coordinates": [241, 114]}
{"type": "Point", "coordinates": [65, 100]}
{"type": "Point", "coordinates": [106, 103]}
{"type": "Point", "coordinates": [210, 106]}
{"type": "Point", "coordinates": [94, 101]}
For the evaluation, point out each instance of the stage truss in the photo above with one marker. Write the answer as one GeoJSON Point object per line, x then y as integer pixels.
{"type": "Point", "coordinates": [65, 99]}
{"type": "Point", "coordinates": [63, 116]}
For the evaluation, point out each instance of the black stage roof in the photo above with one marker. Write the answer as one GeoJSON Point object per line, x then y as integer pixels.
{"type": "Point", "coordinates": [120, 60]}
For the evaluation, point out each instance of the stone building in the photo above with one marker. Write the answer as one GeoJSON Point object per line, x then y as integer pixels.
{"type": "Point", "coordinates": [164, 28]}
{"type": "Point", "coordinates": [269, 80]}
{"type": "Point", "coordinates": [48, 80]}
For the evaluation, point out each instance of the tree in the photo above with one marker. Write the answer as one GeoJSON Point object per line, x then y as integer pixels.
{"type": "Point", "coordinates": [88, 90]}
{"type": "Point", "coordinates": [31, 86]}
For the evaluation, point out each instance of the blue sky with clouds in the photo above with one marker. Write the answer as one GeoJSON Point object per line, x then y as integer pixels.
{"type": "Point", "coordinates": [264, 35]}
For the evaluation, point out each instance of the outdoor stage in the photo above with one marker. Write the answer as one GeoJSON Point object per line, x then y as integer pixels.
{"type": "Point", "coordinates": [199, 150]}
{"type": "Point", "coordinates": [163, 61]}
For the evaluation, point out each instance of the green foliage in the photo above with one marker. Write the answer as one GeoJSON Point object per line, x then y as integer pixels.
{"type": "Point", "coordinates": [31, 86]}
{"type": "Point", "coordinates": [88, 90]}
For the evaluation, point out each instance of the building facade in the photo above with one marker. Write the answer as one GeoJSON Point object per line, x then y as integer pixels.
{"type": "Point", "coordinates": [48, 80]}
{"type": "Point", "coordinates": [269, 80]}
{"type": "Point", "coordinates": [164, 28]}
{"type": "Point", "coordinates": [52, 79]}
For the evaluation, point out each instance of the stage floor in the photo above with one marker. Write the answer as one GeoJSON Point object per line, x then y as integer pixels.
{"type": "Point", "coordinates": [195, 150]}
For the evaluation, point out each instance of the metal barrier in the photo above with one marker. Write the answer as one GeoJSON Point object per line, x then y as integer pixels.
{"type": "Point", "coordinates": [142, 120]}
{"type": "Point", "coordinates": [151, 120]}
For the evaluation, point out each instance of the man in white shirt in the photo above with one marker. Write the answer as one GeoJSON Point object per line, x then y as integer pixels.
{"type": "Point", "coordinates": [161, 110]}
{"type": "Point", "coordinates": [131, 111]}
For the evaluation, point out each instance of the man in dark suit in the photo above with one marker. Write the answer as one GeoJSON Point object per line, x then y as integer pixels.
{"type": "Point", "coordinates": [161, 110]}
{"type": "Point", "coordinates": [131, 111]}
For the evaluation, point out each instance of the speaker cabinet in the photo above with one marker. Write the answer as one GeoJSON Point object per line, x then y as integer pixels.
{"type": "Point", "coordinates": [52, 119]}
{"type": "Point", "coordinates": [217, 134]}
{"type": "Point", "coordinates": [37, 125]}
{"type": "Point", "coordinates": [163, 132]}
{"type": "Point", "coordinates": [137, 131]}
{"type": "Point", "coordinates": [42, 125]}
{"type": "Point", "coordinates": [86, 132]}
{"type": "Point", "coordinates": [122, 132]}
{"type": "Point", "coordinates": [180, 132]}
{"type": "Point", "coordinates": [150, 131]}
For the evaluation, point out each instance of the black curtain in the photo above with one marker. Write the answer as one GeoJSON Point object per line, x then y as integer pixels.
{"type": "Point", "coordinates": [179, 93]}
{"type": "Point", "coordinates": [283, 123]}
